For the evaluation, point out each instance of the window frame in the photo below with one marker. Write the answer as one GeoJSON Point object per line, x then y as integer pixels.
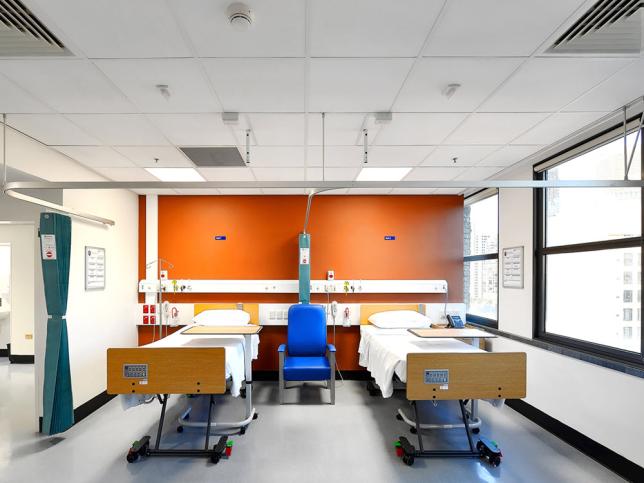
{"type": "Point", "coordinates": [472, 318]}
{"type": "Point", "coordinates": [541, 251]}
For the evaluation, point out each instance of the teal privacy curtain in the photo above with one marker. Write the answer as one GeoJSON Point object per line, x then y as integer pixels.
{"type": "Point", "coordinates": [55, 243]}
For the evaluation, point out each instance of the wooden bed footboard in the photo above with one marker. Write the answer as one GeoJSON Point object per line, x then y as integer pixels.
{"type": "Point", "coordinates": [480, 375]}
{"type": "Point", "coordinates": [166, 370]}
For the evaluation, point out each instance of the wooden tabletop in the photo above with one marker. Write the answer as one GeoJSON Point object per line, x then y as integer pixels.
{"type": "Point", "coordinates": [223, 330]}
{"type": "Point", "coordinates": [451, 333]}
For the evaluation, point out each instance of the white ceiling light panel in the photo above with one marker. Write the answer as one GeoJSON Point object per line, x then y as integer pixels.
{"type": "Point", "coordinates": [382, 174]}
{"type": "Point", "coordinates": [175, 174]}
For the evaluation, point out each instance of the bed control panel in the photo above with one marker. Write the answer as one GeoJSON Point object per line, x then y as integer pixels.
{"type": "Point", "coordinates": [436, 376]}
{"type": "Point", "coordinates": [135, 371]}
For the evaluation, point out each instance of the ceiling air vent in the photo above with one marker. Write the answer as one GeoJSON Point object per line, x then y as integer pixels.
{"type": "Point", "coordinates": [23, 35]}
{"type": "Point", "coordinates": [214, 157]}
{"type": "Point", "coordinates": [609, 27]}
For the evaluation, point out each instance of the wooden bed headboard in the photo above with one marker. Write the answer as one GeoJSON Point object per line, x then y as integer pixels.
{"type": "Point", "coordinates": [366, 310]}
{"type": "Point", "coordinates": [252, 309]}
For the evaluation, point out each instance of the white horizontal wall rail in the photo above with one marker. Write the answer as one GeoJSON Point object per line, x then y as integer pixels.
{"type": "Point", "coordinates": [291, 286]}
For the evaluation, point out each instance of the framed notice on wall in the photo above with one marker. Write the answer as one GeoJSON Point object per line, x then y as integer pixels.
{"type": "Point", "coordinates": [94, 268]}
{"type": "Point", "coordinates": [513, 267]}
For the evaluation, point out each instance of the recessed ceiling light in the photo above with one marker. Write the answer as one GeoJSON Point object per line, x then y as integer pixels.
{"type": "Point", "coordinates": [175, 174]}
{"type": "Point", "coordinates": [382, 174]}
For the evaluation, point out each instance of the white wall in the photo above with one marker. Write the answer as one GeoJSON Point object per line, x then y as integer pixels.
{"type": "Point", "coordinates": [603, 404]}
{"type": "Point", "coordinates": [22, 239]}
{"type": "Point", "coordinates": [5, 294]}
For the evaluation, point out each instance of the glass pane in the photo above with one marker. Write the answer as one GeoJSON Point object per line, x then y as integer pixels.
{"type": "Point", "coordinates": [481, 288]}
{"type": "Point", "coordinates": [481, 227]}
{"type": "Point", "coordinates": [578, 215]}
{"type": "Point", "coordinates": [589, 296]}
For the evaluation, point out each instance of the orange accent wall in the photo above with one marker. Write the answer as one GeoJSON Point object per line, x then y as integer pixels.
{"type": "Point", "coordinates": [347, 236]}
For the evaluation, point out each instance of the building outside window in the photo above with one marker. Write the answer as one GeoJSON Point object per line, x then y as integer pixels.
{"type": "Point", "coordinates": [589, 252]}
{"type": "Point", "coordinates": [481, 264]}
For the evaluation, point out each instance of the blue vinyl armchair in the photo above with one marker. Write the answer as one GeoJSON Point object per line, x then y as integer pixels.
{"type": "Point", "coordinates": [306, 356]}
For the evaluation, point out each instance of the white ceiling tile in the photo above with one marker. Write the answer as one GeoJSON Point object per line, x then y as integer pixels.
{"type": "Point", "coordinates": [613, 92]}
{"type": "Point", "coordinates": [185, 78]}
{"type": "Point", "coordinates": [198, 192]}
{"type": "Point", "coordinates": [339, 129]}
{"type": "Point", "coordinates": [51, 129]}
{"type": "Point", "coordinates": [279, 174]}
{"type": "Point", "coordinates": [448, 191]}
{"type": "Point", "coordinates": [369, 28]}
{"type": "Point", "coordinates": [465, 155]}
{"type": "Point", "coordinates": [96, 156]}
{"type": "Point", "coordinates": [418, 128]}
{"type": "Point", "coordinates": [397, 155]}
{"type": "Point", "coordinates": [144, 156]}
{"type": "Point", "coordinates": [494, 128]}
{"type": "Point", "coordinates": [355, 85]}
{"type": "Point", "coordinates": [227, 174]}
{"type": "Point", "coordinates": [478, 173]}
{"type": "Point", "coordinates": [277, 30]}
{"type": "Point", "coordinates": [115, 28]}
{"type": "Point", "coordinates": [120, 129]}
{"type": "Point", "coordinates": [548, 84]}
{"type": "Point", "coordinates": [369, 191]}
{"type": "Point", "coordinates": [240, 191]}
{"type": "Point", "coordinates": [69, 85]}
{"type": "Point", "coordinates": [274, 129]}
{"type": "Point", "coordinates": [258, 85]}
{"type": "Point", "coordinates": [478, 77]}
{"type": "Point", "coordinates": [335, 156]}
{"type": "Point", "coordinates": [433, 174]}
{"type": "Point", "coordinates": [509, 155]}
{"type": "Point", "coordinates": [497, 27]}
{"type": "Point", "coordinates": [332, 174]}
{"type": "Point", "coordinates": [557, 126]}
{"type": "Point", "coordinates": [194, 129]}
{"type": "Point", "coordinates": [126, 174]}
{"type": "Point", "coordinates": [14, 99]}
{"type": "Point", "coordinates": [277, 156]}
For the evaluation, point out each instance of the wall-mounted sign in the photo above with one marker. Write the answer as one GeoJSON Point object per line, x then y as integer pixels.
{"type": "Point", "coordinates": [48, 246]}
{"type": "Point", "coordinates": [513, 267]}
{"type": "Point", "coordinates": [94, 268]}
{"type": "Point", "coordinates": [390, 237]}
{"type": "Point", "coordinates": [220, 237]}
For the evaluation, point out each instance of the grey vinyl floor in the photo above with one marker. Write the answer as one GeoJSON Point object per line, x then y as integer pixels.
{"type": "Point", "coordinates": [305, 441]}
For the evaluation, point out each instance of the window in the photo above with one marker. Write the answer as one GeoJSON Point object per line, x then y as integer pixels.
{"type": "Point", "coordinates": [589, 252]}
{"type": "Point", "coordinates": [481, 260]}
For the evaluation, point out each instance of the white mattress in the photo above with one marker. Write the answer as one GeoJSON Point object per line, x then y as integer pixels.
{"type": "Point", "coordinates": [233, 344]}
{"type": "Point", "coordinates": [384, 352]}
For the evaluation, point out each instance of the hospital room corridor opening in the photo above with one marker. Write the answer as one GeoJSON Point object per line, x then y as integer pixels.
{"type": "Point", "coordinates": [321, 240]}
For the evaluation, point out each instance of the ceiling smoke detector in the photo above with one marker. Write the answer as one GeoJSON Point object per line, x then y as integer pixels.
{"type": "Point", "coordinates": [240, 16]}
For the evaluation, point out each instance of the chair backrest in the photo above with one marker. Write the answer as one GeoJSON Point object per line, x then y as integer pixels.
{"type": "Point", "coordinates": [306, 330]}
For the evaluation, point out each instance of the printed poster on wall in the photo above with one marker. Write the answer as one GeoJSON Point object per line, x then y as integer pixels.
{"type": "Point", "coordinates": [513, 267]}
{"type": "Point", "coordinates": [94, 268]}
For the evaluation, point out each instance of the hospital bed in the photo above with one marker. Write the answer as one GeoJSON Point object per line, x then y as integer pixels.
{"type": "Point", "coordinates": [436, 365]}
{"type": "Point", "coordinates": [199, 360]}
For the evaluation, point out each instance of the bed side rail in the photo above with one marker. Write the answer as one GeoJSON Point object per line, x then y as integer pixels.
{"type": "Point", "coordinates": [166, 370]}
{"type": "Point", "coordinates": [486, 375]}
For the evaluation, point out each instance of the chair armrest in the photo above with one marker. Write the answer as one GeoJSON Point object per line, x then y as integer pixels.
{"type": "Point", "coordinates": [281, 348]}
{"type": "Point", "coordinates": [330, 348]}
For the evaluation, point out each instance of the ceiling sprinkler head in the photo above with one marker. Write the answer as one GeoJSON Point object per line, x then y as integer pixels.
{"type": "Point", "coordinates": [164, 90]}
{"type": "Point", "coordinates": [240, 16]}
{"type": "Point", "coordinates": [454, 159]}
{"type": "Point", "coordinates": [450, 90]}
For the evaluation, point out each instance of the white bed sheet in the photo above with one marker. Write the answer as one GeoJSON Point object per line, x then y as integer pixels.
{"type": "Point", "coordinates": [384, 352]}
{"type": "Point", "coordinates": [233, 344]}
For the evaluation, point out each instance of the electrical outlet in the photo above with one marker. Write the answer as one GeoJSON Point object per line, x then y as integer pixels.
{"type": "Point", "coordinates": [29, 336]}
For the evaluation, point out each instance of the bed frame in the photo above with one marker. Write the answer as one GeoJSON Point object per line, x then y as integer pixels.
{"type": "Point", "coordinates": [164, 371]}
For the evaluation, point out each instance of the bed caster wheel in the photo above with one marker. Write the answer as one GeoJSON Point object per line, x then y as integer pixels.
{"type": "Point", "coordinates": [476, 430]}
{"type": "Point", "coordinates": [479, 446]}
{"type": "Point", "coordinates": [179, 429]}
{"type": "Point", "coordinates": [215, 458]}
{"type": "Point", "coordinates": [132, 456]}
{"type": "Point", "coordinates": [495, 461]}
{"type": "Point", "coordinates": [255, 416]}
{"type": "Point", "coordinates": [413, 430]}
{"type": "Point", "coordinates": [399, 417]}
{"type": "Point", "coordinates": [242, 430]}
{"type": "Point", "coordinates": [408, 459]}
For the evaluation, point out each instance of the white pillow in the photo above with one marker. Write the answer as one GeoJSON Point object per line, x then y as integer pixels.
{"type": "Point", "coordinates": [399, 319]}
{"type": "Point", "coordinates": [222, 317]}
